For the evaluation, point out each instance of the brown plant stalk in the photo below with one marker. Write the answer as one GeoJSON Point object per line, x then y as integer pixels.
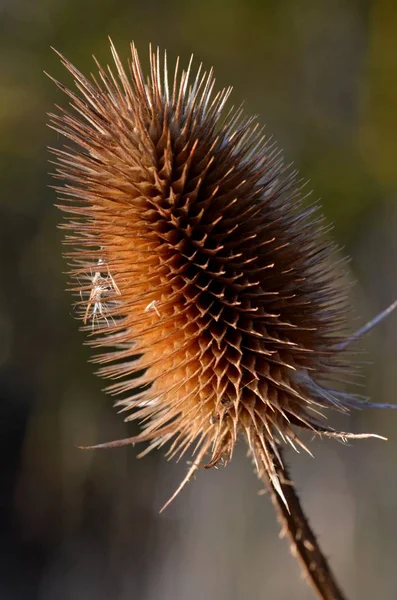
{"type": "Point", "coordinates": [205, 276]}
{"type": "Point", "coordinates": [303, 542]}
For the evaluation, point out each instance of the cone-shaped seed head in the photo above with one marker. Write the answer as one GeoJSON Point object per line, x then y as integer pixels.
{"type": "Point", "coordinates": [197, 264]}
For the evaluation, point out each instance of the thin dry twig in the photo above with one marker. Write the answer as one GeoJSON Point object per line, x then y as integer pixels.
{"type": "Point", "coordinates": [304, 544]}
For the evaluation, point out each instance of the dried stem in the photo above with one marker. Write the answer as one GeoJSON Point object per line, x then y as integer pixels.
{"type": "Point", "coordinates": [304, 545]}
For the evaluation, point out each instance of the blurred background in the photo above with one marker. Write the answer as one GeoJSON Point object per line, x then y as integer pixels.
{"type": "Point", "coordinates": [85, 525]}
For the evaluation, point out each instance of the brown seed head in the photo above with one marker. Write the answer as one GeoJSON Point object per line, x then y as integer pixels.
{"type": "Point", "coordinates": [198, 264]}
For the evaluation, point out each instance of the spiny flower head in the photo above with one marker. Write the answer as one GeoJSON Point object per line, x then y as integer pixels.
{"type": "Point", "coordinates": [199, 266]}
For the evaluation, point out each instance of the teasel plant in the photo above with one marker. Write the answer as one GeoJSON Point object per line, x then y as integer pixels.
{"type": "Point", "coordinates": [205, 277]}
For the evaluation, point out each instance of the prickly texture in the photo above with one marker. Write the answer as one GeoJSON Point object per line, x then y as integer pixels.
{"type": "Point", "coordinates": [200, 266]}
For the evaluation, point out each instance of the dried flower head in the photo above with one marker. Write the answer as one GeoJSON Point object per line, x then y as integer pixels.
{"type": "Point", "coordinates": [205, 271]}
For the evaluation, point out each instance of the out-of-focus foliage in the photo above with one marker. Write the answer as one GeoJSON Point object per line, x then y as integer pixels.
{"type": "Point", "coordinates": [323, 76]}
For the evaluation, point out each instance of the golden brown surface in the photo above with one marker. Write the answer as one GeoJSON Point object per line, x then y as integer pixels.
{"type": "Point", "coordinates": [199, 261]}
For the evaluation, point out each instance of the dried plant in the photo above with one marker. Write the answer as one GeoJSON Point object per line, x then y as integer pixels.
{"type": "Point", "coordinates": [205, 274]}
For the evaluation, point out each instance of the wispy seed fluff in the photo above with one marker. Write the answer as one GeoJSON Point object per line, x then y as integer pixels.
{"type": "Point", "coordinates": [199, 266]}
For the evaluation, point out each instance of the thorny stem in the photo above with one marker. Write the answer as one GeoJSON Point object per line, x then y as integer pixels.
{"type": "Point", "coordinates": [304, 545]}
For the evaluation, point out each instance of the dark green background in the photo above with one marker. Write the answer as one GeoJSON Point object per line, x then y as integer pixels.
{"type": "Point", "coordinates": [75, 525]}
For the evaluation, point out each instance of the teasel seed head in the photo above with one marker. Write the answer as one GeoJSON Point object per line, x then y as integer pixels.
{"type": "Point", "coordinates": [200, 267]}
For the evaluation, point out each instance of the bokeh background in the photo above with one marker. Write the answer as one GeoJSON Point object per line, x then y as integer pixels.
{"type": "Point", "coordinates": [85, 525]}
